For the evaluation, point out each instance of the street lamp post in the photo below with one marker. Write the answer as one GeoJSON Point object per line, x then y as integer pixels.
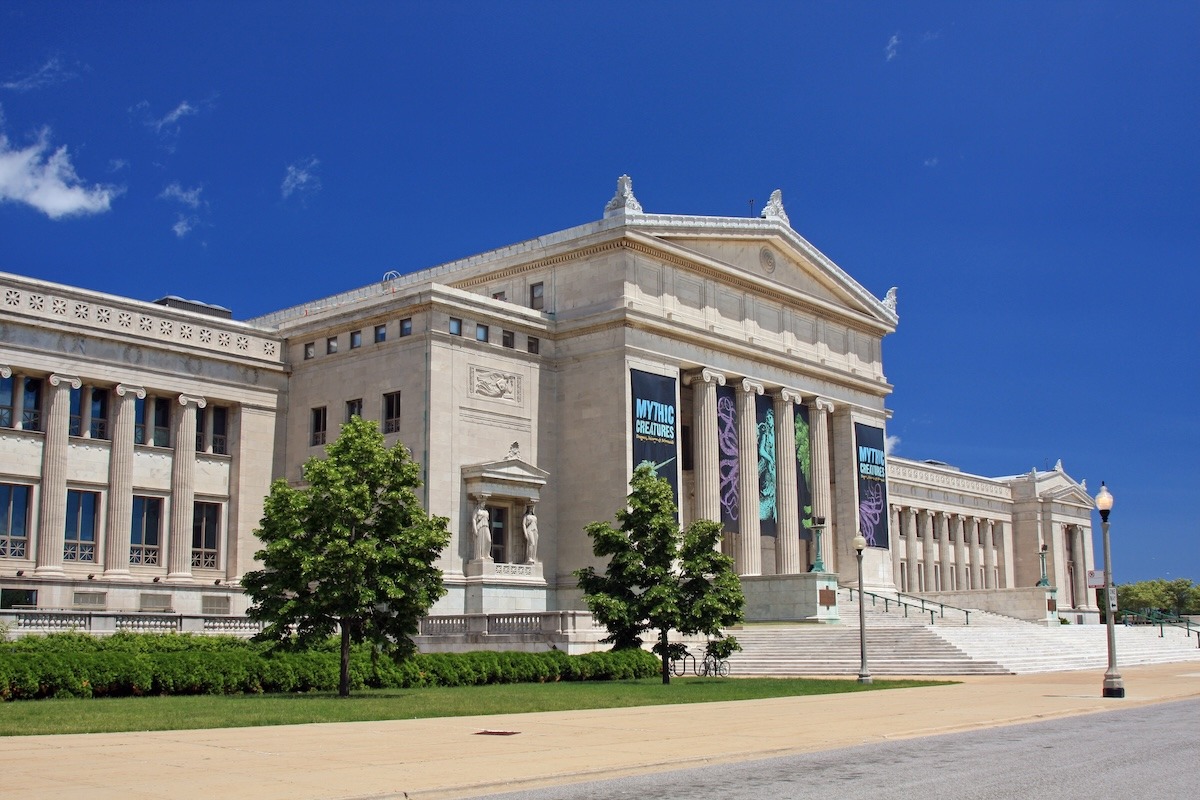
{"type": "Point", "coordinates": [1114, 686]}
{"type": "Point", "coordinates": [1045, 581]}
{"type": "Point", "coordinates": [864, 676]}
{"type": "Point", "coordinates": [818, 524]}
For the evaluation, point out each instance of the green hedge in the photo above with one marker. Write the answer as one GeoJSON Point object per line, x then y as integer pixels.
{"type": "Point", "coordinates": [124, 665]}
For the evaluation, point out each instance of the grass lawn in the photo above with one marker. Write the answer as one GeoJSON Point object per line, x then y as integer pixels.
{"type": "Point", "coordinates": [34, 717]}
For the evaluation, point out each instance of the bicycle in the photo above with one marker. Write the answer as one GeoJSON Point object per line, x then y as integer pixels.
{"type": "Point", "coordinates": [713, 666]}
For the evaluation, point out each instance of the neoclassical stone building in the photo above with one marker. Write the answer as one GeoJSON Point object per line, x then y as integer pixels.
{"type": "Point", "coordinates": [137, 440]}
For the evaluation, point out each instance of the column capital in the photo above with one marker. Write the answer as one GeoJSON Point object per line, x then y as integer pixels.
{"type": "Point", "coordinates": [5, 372]}
{"type": "Point", "coordinates": [705, 375]}
{"type": "Point", "coordinates": [123, 389]}
{"type": "Point", "coordinates": [791, 395]}
{"type": "Point", "coordinates": [752, 387]}
{"type": "Point", "coordinates": [74, 382]}
{"type": "Point", "coordinates": [824, 404]}
{"type": "Point", "coordinates": [184, 399]}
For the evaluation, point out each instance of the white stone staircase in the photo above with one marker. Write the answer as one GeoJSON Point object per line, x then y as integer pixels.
{"type": "Point", "coordinates": [910, 645]}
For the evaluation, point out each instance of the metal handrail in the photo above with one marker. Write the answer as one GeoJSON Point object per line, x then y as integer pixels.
{"type": "Point", "coordinates": [926, 606]}
{"type": "Point", "coordinates": [1164, 621]}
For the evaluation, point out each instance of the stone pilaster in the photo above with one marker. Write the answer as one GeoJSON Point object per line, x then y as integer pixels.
{"type": "Point", "coordinates": [787, 542]}
{"type": "Point", "coordinates": [818, 435]}
{"type": "Point", "coordinates": [706, 458]}
{"type": "Point", "coordinates": [943, 534]}
{"type": "Point", "coordinates": [929, 550]}
{"type": "Point", "coordinates": [120, 482]}
{"type": "Point", "coordinates": [909, 520]}
{"type": "Point", "coordinates": [748, 554]}
{"type": "Point", "coordinates": [183, 475]}
{"type": "Point", "coordinates": [52, 518]}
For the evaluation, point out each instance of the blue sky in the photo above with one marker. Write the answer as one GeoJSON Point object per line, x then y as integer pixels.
{"type": "Point", "coordinates": [1025, 173]}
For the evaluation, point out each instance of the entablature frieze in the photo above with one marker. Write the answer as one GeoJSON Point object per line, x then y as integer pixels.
{"type": "Point", "coordinates": [965, 483]}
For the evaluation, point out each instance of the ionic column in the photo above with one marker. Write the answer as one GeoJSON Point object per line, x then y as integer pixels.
{"type": "Point", "coordinates": [183, 472]}
{"type": "Point", "coordinates": [18, 419]}
{"type": "Point", "coordinates": [958, 526]}
{"type": "Point", "coordinates": [52, 519]}
{"type": "Point", "coordinates": [85, 412]}
{"type": "Point", "coordinates": [894, 525]}
{"type": "Point", "coordinates": [748, 555]}
{"type": "Point", "coordinates": [818, 435]}
{"type": "Point", "coordinates": [909, 520]}
{"type": "Point", "coordinates": [1003, 577]}
{"type": "Point", "coordinates": [787, 541]}
{"type": "Point", "coordinates": [989, 554]}
{"type": "Point", "coordinates": [120, 482]}
{"type": "Point", "coordinates": [1079, 574]}
{"type": "Point", "coordinates": [928, 551]}
{"type": "Point", "coordinates": [970, 557]}
{"type": "Point", "coordinates": [707, 456]}
{"type": "Point", "coordinates": [943, 534]}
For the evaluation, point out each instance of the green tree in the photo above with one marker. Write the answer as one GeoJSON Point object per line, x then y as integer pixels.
{"type": "Point", "coordinates": [353, 551]}
{"type": "Point", "coordinates": [659, 578]}
{"type": "Point", "coordinates": [1179, 596]}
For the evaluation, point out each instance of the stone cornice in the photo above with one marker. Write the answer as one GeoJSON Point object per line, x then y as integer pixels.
{"type": "Point", "coordinates": [920, 476]}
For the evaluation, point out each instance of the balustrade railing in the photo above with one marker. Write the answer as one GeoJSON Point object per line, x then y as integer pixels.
{"type": "Point", "coordinates": [933, 609]}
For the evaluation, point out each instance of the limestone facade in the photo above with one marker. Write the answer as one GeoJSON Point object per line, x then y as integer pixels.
{"type": "Point", "coordinates": [511, 377]}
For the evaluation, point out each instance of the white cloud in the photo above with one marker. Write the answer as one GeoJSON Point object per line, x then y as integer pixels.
{"type": "Point", "coordinates": [46, 180]}
{"type": "Point", "coordinates": [893, 46]}
{"type": "Point", "coordinates": [301, 179]}
{"type": "Point", "coordinates": [47, 74]}
{"type": "Point", "coordinates": [184, 225]}
{"type": "Point", "coordinates": [891, 444]}
{"type": "Point", "coordinates": [184, 109]}
{"type": "Point", "coordinates": [189, 197]}
{"type": "Point", "coordinates": [931, 162]}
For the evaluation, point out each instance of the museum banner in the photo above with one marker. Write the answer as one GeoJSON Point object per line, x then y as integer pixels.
{"type": "Point", "coordinates": [872, 485]}
{"type": "Point", "coordinates": [655, 432]}
{"type": "Point", "coordinates": [803, 472]}
{"type": "Point", "coordinates": [727, 448]}
{"type": "Point", "coordinates": [764, 417]}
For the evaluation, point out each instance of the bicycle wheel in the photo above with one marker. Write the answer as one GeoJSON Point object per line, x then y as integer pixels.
{"type": "Point", "coordinates": [723, 669]}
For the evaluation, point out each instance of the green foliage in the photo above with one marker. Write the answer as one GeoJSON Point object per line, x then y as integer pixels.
{"type": "Point", "coordinates": [131, 665]}
{"type": "Point", "coordinates": [1176, 597]}
{"type": "Point", "coordinates": [352, 552]}
{"type": "Point", "coordinates": [657, 578]}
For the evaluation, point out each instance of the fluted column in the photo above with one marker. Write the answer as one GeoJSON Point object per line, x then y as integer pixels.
{"type": "Point", "coordinates": [85, 412]}
{"type": "Point", "coordinates": [929, 550]}
{"type": "Point", "coordinates": [748, 555]}
{"type": "Point", "coordinates": [989, 554]}
{"type": "Point", "coordinates": [957, 527]}
{"type": "Point", "coordinates": [1079, 573]}
{"type": "Point", "coordinates": [120, 482]}
{"type": "Point", "coordinates": [18, 419]}
{"type": "Point", "coordinates": [1002, 571]}
{"type": "Point", "coordinates": [787, 541]}
{"type": "Point", "coordinates": [894, 525]}
{"type": "Point", "coordinates": [822, 493]}
{"type": "Point", "coordinates": [971, 556]}
{"type": "Point", "coordinates": [52, 518]}
{"type": "Point", "coordinates": [707, 456]}
{"type": "Point", "coordinates": [943, 542]}
{"type": "Point", "coordinates": [909, 520]}
{"type": "Point", "coordinates": [183, 472]}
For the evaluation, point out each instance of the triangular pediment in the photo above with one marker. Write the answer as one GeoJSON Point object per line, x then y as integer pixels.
{"type": "Point", "coordinates": [787, 261]}
{"type": "Point", "coordinates": [508, 470]}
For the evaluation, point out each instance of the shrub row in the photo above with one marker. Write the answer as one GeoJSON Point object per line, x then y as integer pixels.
{"type": "Point", "coordinates": [33, 673]}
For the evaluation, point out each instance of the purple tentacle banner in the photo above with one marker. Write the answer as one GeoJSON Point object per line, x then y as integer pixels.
{"type": "Point", "coordinates": [872, 484]}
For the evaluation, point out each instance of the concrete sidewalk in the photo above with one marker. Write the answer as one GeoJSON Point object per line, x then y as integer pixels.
{"type": "Point", "coordinates": [446, 758]}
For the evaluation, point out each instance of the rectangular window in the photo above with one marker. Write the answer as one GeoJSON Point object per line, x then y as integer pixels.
{"type": "Point", "coordinates": [533, 345]}
{"type": "Point", "coordinates": [406, 326]}
{"type": "Point", "coordinates": [154, 602]}
{"type": "Point", "coordinates": [318, 427]}
{"type": "Point", "coordinates": [353, 409]}
{"type": "Point", "coordinates": [508, 338]}
{"type": "Point", "coordinates": [145, 531]}
{"type": "Point", "coordinates": [14, 520]}
{"type": "Point", "coordinates": [75, 421]}
{"type": "Point", "coordinates": [89, 601]}
{"type": "Point", "coordinates": [220, 431]}
{"type": "Point", "coordinates": [31, 406]}
{"type": "Point", "coordinates": [6, 402]}
{"type": "Point", "coordinates": [355, 340]}
{"type": "Point", "coordinates": [310, 350]}
{"type": "Point", "coordinates": [380, 333]}
{"type": "Point", "coordinates": [206, 525]}
{"type": "Point", "coordinates": [455, 326]}
{"type": "Point", "coordinates": [500, 295]}
{"type": "Point", "coordinates": [499, 521]}
{"type": "Point", "coordinates": [331, 345]}
{"type": "Point", "coordinates": [481, 333]}
{"type": "Point", "coordinates": [79, 537]}
{"type": "Point", "coordinates": [391, 412]}
{"type": "Point", "coordinates": [537, 298]}
{"type": "Point", "coordinates": [139, 420]}
{"type": "Point", "coordinates": [162, 422]}
{"type": "Point", "coordinates": [214, 605]}
{"type": "Point", "coordinates": [18, 598]}
{"type": "Point", "coordinates": [99, 424]}
{"type": "Point", "coordinates": [201, 444]}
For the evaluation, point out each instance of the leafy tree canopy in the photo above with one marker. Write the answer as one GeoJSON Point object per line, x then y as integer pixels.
{"type": "Point", "coordinates": [659, 578]}
{"type": "Point", "coordinates": [1179, 596]}
{"type": "Point", "coordinates": [352, 551]}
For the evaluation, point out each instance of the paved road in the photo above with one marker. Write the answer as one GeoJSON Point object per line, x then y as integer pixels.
{"type": "Point", "coordinates": [1148, 752]}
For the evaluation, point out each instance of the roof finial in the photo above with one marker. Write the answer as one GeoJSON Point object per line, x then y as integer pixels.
{"type": "Point", "coordinates": [774, 208]}
{"type": "Point", "coordinates": [889, 300]}
{"type": "Point", "coordinates": [623, 201]}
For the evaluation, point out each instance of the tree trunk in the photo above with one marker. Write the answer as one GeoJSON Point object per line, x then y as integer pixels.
{"type": "Point", "coordinates": [344, 678]}
{"type": "Point", "coordinates": [666, 665]}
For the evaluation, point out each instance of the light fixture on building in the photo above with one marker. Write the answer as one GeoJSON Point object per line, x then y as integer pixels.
{"type": "Point", "coordinates": [157, 579]}
{"type": "Point", "coordinates": [1114, 686]}
{"type": "Point", "coordinates": [20, 573]}
{"type": "Point", "coordinates": [818, 524]}
{"type": "Point", "coordinates": [217, 582]}
{"type": "Point", "coordinates": [1045, 581]}
{"type": "Point", "coordinates": [864, 676]}
{"type": "Point", "coordinates": [91, 576]}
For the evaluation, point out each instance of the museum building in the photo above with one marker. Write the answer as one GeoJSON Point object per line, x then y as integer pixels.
{"type": "Point", "coordinates": [138, 440]}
